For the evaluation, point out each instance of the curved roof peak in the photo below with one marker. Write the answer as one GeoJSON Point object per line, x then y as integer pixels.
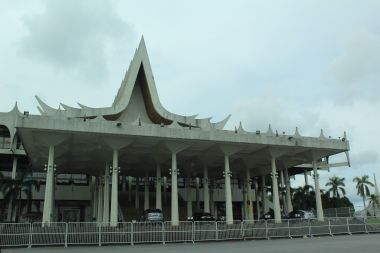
{"type": "Point", "coordinates": [139, 74]}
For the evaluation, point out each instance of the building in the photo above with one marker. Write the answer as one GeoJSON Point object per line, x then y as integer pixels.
{"type": "Point", "coordinates": [92, 162]}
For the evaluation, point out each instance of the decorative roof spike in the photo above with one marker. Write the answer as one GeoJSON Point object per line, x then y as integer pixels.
{"type": "Point", "coordinates": [221, 124]}
{"type": "Point", "coordinates": [47, 109]}
{"type": "Point", "coordinates": [41, 111]}
{"type": "Point", "coordinates": [270, 132]}
{"type": "Point", "coordinates": [241, 129]}
{"type": "Point", "coordinates": [322, 136]}
{"type": "Point", "coordinates": [15, 109]}
{"type": "Point", "coordinates": [344, 136]}
{"type": "Point", "coordinates": [297, 134]}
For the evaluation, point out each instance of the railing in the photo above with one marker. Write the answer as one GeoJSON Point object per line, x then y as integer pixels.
{"type": "Point", "coordinates": [92, 233]}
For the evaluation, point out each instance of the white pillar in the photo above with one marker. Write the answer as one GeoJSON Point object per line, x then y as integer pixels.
{"type": "Point", "coordinates": [100, 200]}
{"type": "Point", "coordinates": [146, 192]}
{"type": "Point", "coordinates": [265, 195]}
{"type": "Point", "coordinates": [306, 177]}
{"type": "Point", "coordinates": [14, 167]}
{"type": "Point", "coordinates": [123, 184]}
{"type": "Point", "coordinates": [289, 205]}
{"type": "Point", "coordinates": [114, 190]}
{"type": "Point", "coordinates": [129, 188]}
{"type": "Point", "coordinates": [257, 198]}
{"type": "Point", "coordinates": [165, 188]}
{"type": "Point", "coordinates": [158, 187]}
{"type": "Point", "coordinates": [227, 186]}
{"type": "Point", "coordinates": [137, 195]}
{"type": "Point", "coordinates": [244, 202]}
{"type": "Point", "coordinates": [197, 197]}
{"type": "Point", "coordinates": [317, 192]}
{"type": "Point", "coordinates": [212, 206]}
{"type": "Point", "coordinates": [276, 200]}
{"type": "Point", "coordinates": [106, 196]}
{"type": "Point", "coordinates": [47, 213]}
{"type": "Point", "coordinates": [189, 203]}
{"type": "Point", "coordinates": [206, 193]}
{"type": "Point", "coordinates": [94, 198]}
{"type": "Point", "coordinates": [174, 193]}
{"type": "Point", "coordinates": [249, 212]}
{"type": "Point", "coordinates": [284, 208]}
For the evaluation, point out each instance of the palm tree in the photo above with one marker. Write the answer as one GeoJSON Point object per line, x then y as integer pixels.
{"type": "Point", "coordinates": [362, 184]}
{"type": "Point", "coordinates": [303, 197]}
{"type": "Point", "coordinates": [13, 188]}
{"type": "Point", "coordinates": [336, 184]}
{"type": "Point", "coordinates": [374, 201]}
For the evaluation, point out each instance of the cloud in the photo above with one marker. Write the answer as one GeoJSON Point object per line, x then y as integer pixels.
{"type": "Point", "coordinates": [365, 158]}
{"type": "Point", "coordinates": [356, 68]}
{"type": "Point", "coordinates": [75, 36]}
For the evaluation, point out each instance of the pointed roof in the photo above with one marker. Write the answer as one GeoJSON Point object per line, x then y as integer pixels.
{"type": "Point", "coordinates": [139, 69]}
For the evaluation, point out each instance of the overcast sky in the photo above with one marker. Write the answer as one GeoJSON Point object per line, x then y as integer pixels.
{"type": "Point", "coordinates": [311, 64]}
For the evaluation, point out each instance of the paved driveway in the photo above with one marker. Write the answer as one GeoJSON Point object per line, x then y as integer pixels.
{"type": "Point", "coordinates": [337, 244]}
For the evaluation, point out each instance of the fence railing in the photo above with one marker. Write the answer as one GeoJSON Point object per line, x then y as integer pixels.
{"type": "Point", "coordinates": [92, 233]}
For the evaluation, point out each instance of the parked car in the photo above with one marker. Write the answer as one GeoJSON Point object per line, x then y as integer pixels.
{"type": "Point", "coordinates": [270, 215]}
{"type": "Point", "coordinates": [152, 215]}
{"type": "Point", "coordinates": [301, 214]}
{"type": "Point", "coordinates": [201, 217]}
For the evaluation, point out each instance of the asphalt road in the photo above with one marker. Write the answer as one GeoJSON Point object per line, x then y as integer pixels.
{"type": "Point", "coordinates": [336, 244]}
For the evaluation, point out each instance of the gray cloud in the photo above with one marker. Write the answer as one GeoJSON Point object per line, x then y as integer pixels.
{"type": "Point", "coordinates": [75, 36]}
{"type": "Point", "coordinates": [356, 68]}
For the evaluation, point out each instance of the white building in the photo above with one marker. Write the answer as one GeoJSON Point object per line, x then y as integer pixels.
{"type": "Point", "coordinates": [91, 159]}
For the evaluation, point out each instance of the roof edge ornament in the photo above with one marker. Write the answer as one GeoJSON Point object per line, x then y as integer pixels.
{"type": "Point", "coordinates": [15, 109]}
{"type": "Point", "coordinates": [50, 111]}
{"type": "Point", "coordinates": [240, 128]}
{"type": "Point", "coordinates": [221, 124]}
{"type": "Point", "coordinates": [297, 134]}
{"type": "Point", "coordinates": [322, 136]}
{"type": "Point", "coordinates": [270, 132]}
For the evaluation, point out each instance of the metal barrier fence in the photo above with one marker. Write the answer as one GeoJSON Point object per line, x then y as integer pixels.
{"type": "Point", "coordinates": [92, 233]}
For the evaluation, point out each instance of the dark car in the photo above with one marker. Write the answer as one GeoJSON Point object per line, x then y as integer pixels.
{"type": "Point", "coordinates": [270, 215]}
{"type": "Point", "coordinates": [201, 217]}
{"type": "Point", "coordinates": [301, 214]}
{"type": "Point", "coordinates": [152, 215]}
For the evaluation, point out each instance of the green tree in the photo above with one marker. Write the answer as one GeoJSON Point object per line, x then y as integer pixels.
{"type": "Point", "coordinates": [336, 184]}
{"type": "Point", "coordinates": [374, 202]}
{"type": "Point", "coordinates": [362, 184]}
{"type": "Point", "coordinates": [303, 197]}
{"type": "Point", "coordinates": [13, 188]}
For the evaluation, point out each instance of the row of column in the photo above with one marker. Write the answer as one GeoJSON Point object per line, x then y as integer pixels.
{"type": "Point", "coordinates": [107, 211]}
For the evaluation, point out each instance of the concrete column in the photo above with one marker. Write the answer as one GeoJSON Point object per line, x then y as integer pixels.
{"type": "Point", "coordinates": [265, 195]}
{"type": "Point", "coordinates": [212, 206]}
{"type": "Point", "coordinates": [146, 192]}
{"type": "Point", "coordinates": [197, 195]}
{"type": "Point", "coordinates": [165, 188]}
{"type": "Point", "coordinates": [123, 184]}
{"type": "Point", "coordinates": [284, 208]}
{"type": "Point", "coordinates": [245, 200]}
{"type": "Point", "coordinates": [318, 199]}
{"type": "Point", "coordinates": [100, 200]}
{"type": "Point", "coordinates": [114, 190]}
{"type": "Point", "coordinates": [174, 193]}
{"type": "Point", "coordinates": [106, 196]}
{"type": "Point", "coordinates": [189, 203]}
{"type": "Point", "coordinates": [47, 212]}
{"type": "Point", "coordinates": [129, 188]}
{"type": "Point", "coordinates": [289, 205]}
{"type": "Point", "coordinates": [306, 177]}
{"type": "Point", "coordinates": [228, 194]}
{"type": "Point", "coordinates": [206, 193]}
{"type": "Point", "coordinates": [137, 195]}
{"type": "Point", "coordinates": [158, 187]}
{"type": "Point", "coordinates": [14, 167]}
{"type": "Point", "coordinates": [94, 198]}
{"type": "Point", "coordinates": [249, 209]}
{"type": "Point", "coordinates": [276, 200]}
{"type": "Point", "coordinates": [257, 198]}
